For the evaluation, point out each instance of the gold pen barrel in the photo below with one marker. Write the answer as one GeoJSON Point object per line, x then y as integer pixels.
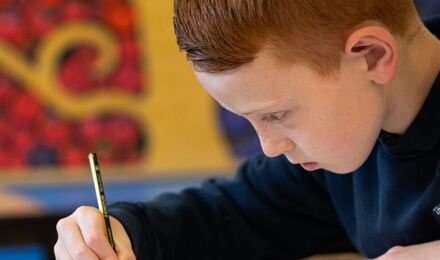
{"type": "Point", "coordinates": [100, 196]}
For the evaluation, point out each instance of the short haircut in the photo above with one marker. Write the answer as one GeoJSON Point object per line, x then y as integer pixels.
{"type": "Point", "coordinates": [219, 35]}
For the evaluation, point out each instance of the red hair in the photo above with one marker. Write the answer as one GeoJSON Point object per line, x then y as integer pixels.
{"type": "Point", "coordinates": [219, 35]}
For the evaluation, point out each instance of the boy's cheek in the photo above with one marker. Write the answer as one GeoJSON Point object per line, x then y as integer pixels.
{"type": "Point", "coordinates": [341, 156]}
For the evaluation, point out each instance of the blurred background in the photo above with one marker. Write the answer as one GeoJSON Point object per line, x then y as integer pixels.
{"type": "Point", "coordinates": [101, 76]}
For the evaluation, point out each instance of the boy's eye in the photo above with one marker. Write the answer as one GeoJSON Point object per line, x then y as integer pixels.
{"type": "Point", "coordinates": [274, 117]}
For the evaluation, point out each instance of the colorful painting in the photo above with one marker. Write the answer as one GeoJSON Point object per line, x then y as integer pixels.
{"type": "Point", "coordinates": [103, 76]}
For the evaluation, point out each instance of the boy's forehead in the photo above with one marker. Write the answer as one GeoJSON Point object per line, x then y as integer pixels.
{"type": "Point", "coordinates": [265, 75]}
{"type": "Point", "coordinates": [263, 68]}
{"type": "Point", "coordinates": [248, 89]}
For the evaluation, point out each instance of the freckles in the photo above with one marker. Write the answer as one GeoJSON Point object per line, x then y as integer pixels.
{"type": "Point", "coordinates": [261, 132]}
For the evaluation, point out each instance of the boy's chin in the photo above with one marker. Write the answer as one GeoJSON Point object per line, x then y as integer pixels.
{"type": "Point", "coordinates": [337, 168]}
{"type": "Point", "coordinates": [343, 169]}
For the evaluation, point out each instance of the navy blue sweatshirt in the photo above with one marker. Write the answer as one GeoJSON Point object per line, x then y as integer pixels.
{"type": "Point", "coordinates": [275, 210]}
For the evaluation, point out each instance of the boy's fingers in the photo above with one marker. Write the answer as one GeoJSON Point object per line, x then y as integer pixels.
{"type": "Point", "coordinates": [70, 234]}
{"type": "Point", "coordinates": [91, 224]}
{"type": "Point", "coordinates": [60, 251]}
{"type": "Point", "coordinates": [123, 245]}
{"type": "Point", "coordinates": [82, 236]}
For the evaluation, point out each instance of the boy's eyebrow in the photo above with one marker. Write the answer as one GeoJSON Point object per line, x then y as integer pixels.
{"type": "Point", "coordinates": [267, 107]}
{"type": "Point", "coordinates": [251, 112]}
{"type": "Point", "coordinates": [259, 111]}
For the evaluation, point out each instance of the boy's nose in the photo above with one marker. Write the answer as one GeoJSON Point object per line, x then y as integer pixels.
{"type": "Point", "coordinates": [273, 146]}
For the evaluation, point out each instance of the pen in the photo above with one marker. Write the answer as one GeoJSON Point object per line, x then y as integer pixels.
{"type": "Point", "coordinates": [100, 196]}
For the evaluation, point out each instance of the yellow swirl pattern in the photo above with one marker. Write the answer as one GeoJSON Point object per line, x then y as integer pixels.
{"type": "Point", "coordinates": [41, 76]}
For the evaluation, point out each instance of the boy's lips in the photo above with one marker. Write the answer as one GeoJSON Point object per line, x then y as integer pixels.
{"type": "Point", "coordinates": [310, 166]}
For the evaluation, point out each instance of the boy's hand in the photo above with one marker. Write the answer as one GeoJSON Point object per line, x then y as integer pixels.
{"type": "Point", "coordinates": [426, 251]}
{"type": "Point", "coordinates": [81, 236]}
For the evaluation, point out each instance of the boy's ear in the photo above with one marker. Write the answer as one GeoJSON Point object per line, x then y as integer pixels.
{"type": "Point", "coordinates": [378, 48]}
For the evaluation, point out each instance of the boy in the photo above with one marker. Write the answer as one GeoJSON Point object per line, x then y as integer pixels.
{"type": "Point", "coordinates": [333, 87]}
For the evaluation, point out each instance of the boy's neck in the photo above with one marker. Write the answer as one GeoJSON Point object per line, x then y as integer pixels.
{"type": "Point", "coordinates": [418, 68]}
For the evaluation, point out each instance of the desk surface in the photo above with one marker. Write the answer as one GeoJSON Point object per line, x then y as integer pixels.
{"type": "Point", "coordinates": [61, 198]}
